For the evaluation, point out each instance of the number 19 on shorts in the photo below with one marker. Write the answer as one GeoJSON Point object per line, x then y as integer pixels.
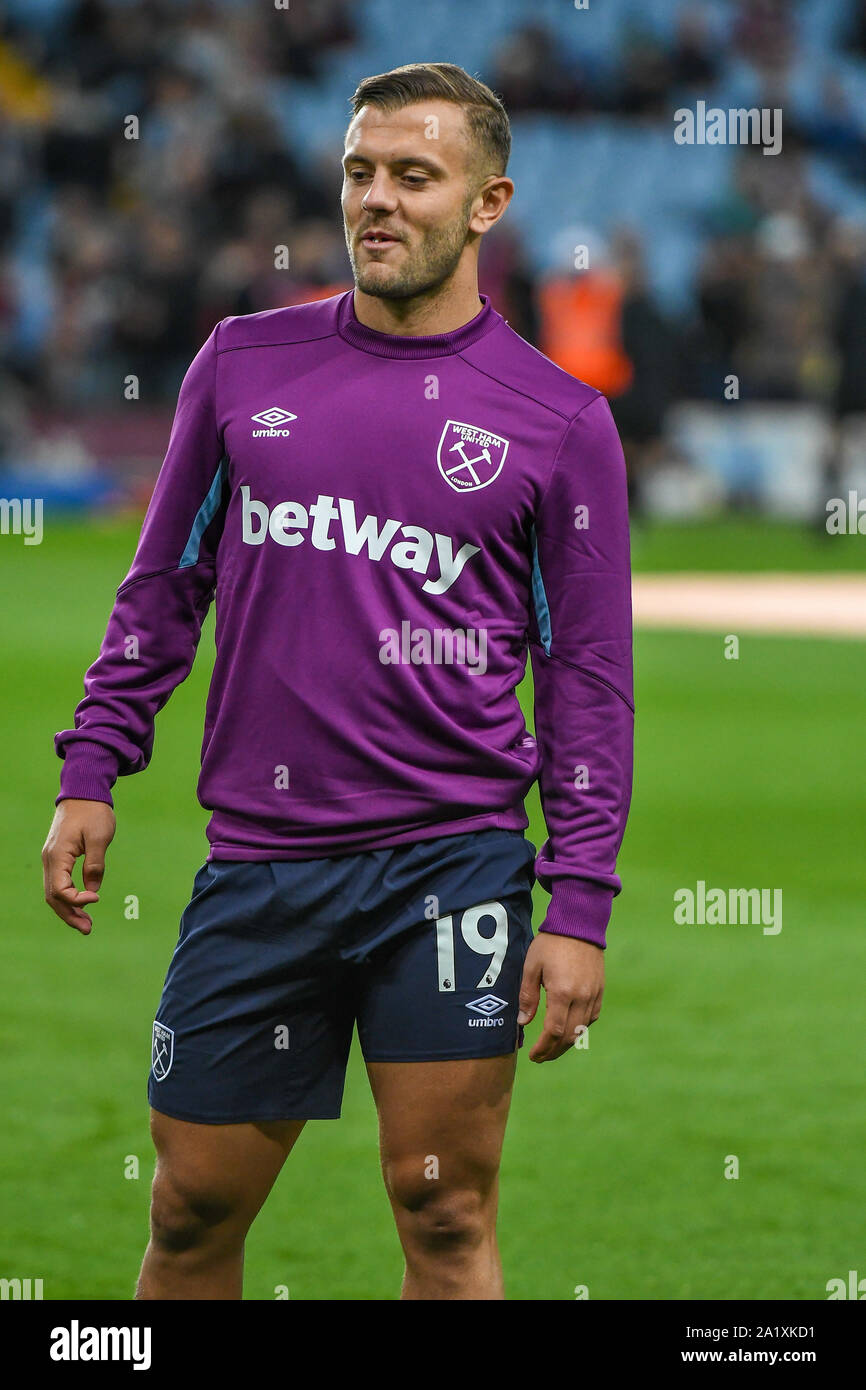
{"type": "Point", "coordinates": [494, 946]}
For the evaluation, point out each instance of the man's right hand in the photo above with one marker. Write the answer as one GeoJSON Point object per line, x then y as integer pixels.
{"type": "Point", "coordinates": [79, 827]}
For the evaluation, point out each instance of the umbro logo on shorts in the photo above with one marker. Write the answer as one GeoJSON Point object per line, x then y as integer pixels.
{"type": "Point", "coordinates": [488, 1004]}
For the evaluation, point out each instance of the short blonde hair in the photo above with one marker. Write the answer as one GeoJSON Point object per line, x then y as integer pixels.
{"type": "Point", "coordinates": [486, 118]}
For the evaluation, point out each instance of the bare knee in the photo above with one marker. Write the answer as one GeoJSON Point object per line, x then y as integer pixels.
{"type": "Point", "coordinates": [187, 1213]}
{"type": "Point", "coordinates": [437, 1217]}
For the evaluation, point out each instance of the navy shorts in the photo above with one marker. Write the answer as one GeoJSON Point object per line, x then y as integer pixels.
{"type": "Point", "coordinates": [422, 945]}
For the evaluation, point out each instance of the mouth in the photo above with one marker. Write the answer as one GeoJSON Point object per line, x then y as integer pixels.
{"type": "Point", "coordinates": [377, 241]}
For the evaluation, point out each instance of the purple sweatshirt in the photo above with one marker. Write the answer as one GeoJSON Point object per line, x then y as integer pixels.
{"type": "Point", "coordinates": [388, 524]}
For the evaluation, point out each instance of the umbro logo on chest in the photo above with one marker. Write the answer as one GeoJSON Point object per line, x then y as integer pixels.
{"type": "Point", "coordinates": [274, 420]}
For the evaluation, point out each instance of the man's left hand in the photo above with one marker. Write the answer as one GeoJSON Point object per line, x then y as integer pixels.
{"type": "Point", "coordinates": [572, 973]}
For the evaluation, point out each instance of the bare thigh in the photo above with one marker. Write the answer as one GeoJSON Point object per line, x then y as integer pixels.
{"type": "Point", "coordinates": [217, 1174]}
{"type": "Point", "coordinates": [441, 1127]}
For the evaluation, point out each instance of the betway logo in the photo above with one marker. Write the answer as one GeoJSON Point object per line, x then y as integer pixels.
{"type": "Point", "coordinates": [288, 521]}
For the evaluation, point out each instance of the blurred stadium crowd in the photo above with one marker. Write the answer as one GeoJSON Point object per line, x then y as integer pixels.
{"type": "Point", "coordinates": [117, 254]}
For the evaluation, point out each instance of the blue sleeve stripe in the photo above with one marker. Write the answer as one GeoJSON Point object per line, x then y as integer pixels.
{"type": "Point", "coordinates": [539, 598]}
{"type": "Point", "coordinates": [205, 515]}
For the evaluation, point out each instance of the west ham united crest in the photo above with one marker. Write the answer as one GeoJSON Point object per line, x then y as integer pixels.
{"type": "Point", "coordinates": [470, 457]}
{"type": "Point", "coordinates": [162, 1052]}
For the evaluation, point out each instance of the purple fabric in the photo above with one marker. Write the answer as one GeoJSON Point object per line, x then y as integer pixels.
{"type": "Point", "coordinates": [459, 484]}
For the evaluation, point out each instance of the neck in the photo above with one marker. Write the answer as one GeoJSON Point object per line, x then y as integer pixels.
{"type": "Point", "coordinates": [440, 310]}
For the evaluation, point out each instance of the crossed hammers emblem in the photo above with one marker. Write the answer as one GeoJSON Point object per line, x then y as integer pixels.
{"type": "Point", "coordinates": [468, 463]}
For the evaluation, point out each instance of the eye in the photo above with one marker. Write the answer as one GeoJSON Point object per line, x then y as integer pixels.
{"type": "Point", "coordinates": [415, 179]}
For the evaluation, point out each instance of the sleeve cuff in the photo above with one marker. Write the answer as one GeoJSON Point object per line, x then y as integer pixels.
{"type": "Point", "coordinates": [89, 772]}
{"type": "Point", "coordinates": [579, 908]}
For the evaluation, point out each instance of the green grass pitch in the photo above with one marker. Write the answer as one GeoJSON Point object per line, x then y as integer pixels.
{"type": "Point", "coordinates": [713, 1041]}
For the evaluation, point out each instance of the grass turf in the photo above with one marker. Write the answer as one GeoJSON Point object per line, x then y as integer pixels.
{"type": "Point", "coordinates": [714, 1041]}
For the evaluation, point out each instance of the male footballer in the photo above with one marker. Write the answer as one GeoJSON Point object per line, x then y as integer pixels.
{"type": "Point", "coordinates": [392, 498]}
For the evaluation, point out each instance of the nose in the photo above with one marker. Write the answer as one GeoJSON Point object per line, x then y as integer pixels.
{"type": "Point", "coordinates": [378, 198]}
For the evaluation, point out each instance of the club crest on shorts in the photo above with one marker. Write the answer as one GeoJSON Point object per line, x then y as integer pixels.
{"type": "Point", "coordinates": [162, 1052]}
{"type": "Point", "coordinates": [469, 457]}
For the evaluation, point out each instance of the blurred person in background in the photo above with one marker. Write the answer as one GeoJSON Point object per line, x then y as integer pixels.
{"type": "Point", "coordinates": [648, 342]}
{"type": "Point", "coordinates": [298, 36]}
{"type": "Point", "coordinates": [155, 330]}
{"type": "Point", "coordinates": [529, 70]}
{"type": "Point", "coordinates": [783, 354]}
{"type": "Point", "coordinates": [580, 305]}
{"type": "Point", "coordinates": [695, 61]}
{"type": "Point", "coordinates": [645, 76]}
{"type": "Point", "coordinates": [848, 311]}
{"type": "Point", "coordinates": [599, 321]}
{"type": "Point", "coordinates": [504, 275]}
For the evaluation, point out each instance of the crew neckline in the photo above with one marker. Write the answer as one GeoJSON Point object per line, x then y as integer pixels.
{"type": "Point", "coordinates": [405, 346]}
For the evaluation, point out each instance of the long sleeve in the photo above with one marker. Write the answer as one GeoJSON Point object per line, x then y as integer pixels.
{"type": "Point", "coordinates": [581, 654]}
{"type": "Point", "coordinates": [155, 624]}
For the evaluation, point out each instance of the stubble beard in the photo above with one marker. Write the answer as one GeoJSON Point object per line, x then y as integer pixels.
{"type": "Point", "coordinates": [434, 261]}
